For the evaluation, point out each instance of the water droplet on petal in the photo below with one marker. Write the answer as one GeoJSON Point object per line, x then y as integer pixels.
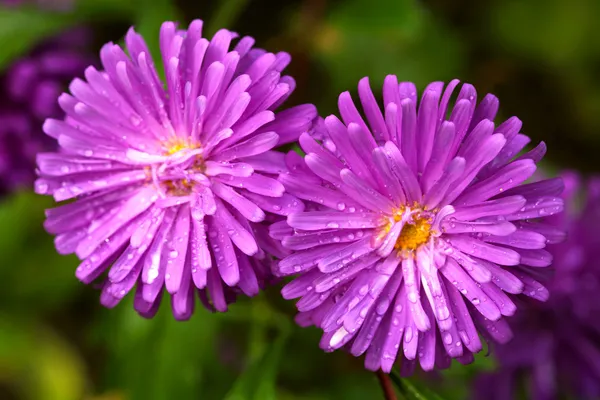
{"type": "Point", "coordinates": [447, 338]}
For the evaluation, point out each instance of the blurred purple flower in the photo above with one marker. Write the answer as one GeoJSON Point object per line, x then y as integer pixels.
{"type": "Point", "coordinates": [28, 94]}
{"type": "Point", "coordinates": [171, 185]}
{"type": "Point", "coordinates": [556, 351]}
{"type": "Point", "coordinates": [409, 216]}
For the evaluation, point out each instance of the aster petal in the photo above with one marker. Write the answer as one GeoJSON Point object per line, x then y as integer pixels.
{"type": "Point", "coordinates": [541, 207]}
{"type": "Point", "coordinates": [470, 290]}
{"type": "Point", "coordinates": [182, 302]}
{"type": "Point", "coordinates": [412, 278]}
{"type": "Point", "coordinates": [345, 255]}
{"type": "Point", "coordinates": [506, 178]}
{"type": "Point", "coordinates": [315, 220]}
{"type": "Point", "coordinates": [426, 122]}
{"type": "Point", "coordinates": [302, 261]}
{"type": "Point", "coordinates": [394, 188]}
{"type": "Point", "coordinates": [489, 208]}
{"type": "Point", "coordinates": [372, 110]}
{"type": "Point", "coordinates": [222, 248]}
{"type": "Point", "coordinates": [356, 188]}
{"type": "Point", "coordinates": [464, 323]}
{"type": "Point", "coordinates": [242, 239]}
{"type": "Point", "coordinates": [248, 209]}
{"type": "Point", "coordinates": [339, 135]}
{"type": "Point", "coordinates": [348, 110]}
{"type": "Point", "coordinates": [488, 150]}
{"type": "Point", "coordinates": [439, 156]}
{"type": "Point", "coordinates": [308, 240]}
{"type": "Point", "coordinates": [256, 145]}
{"type": "Point", "coordinates": [521, 239]}
{"type": "Point", "coordinates": [479, 249]}
{"type": "Point", "coordinates": [291, 123]}
{"type": "Point", "coordinates": [403, 173]}
{"type": "Point", "coordinates": [453, 172]}
{"type": "Point", "coordinates": [535, 258]}
{"type": "Point", "coordinates": [326, 282]}
{"type": "Point", "coordinates": [256, 183]}
{"type": "Point", "coordinates": [113, 292]}
{"type": "Point", "coordinates": [547, 187]}
{"type": "Point", "coordinates": [134, 206]}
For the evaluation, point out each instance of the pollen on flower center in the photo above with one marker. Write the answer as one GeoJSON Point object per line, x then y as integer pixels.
{"type": "Point", "coordinates": [176, 146]}
{"type": "Point", "coordinates": [192, 165]}
{"type": "Point", "coordinates": [414, 234]}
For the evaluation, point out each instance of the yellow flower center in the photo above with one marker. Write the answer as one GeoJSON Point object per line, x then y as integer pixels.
{"type": "Point", "coordinates": [176, 146]}
{"type": "Point", "coordinates": [182, 187]}
{"type": "Point", "coordinates": [414, 234]}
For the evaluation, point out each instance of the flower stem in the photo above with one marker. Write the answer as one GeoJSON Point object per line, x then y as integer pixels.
{"type": "Point", "coordinates": [386, 385]}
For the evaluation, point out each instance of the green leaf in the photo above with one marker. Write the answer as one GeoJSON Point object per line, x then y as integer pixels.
{"type": "Point", "coordinates": [36, 278]}
{"type": "Point", "coordinates": [411, 391]}
{"type": "Point", "coordinates": [258, 381]}
{"type": "Point", "coordinates": [22, 28]}
{"type": "Point", "coordinates": [159, 358]}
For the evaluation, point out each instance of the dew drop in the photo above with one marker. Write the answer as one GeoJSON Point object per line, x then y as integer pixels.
{"type": "Point", "coordinates": [412, 297]}
{"type": "Point", "coordinates": [443, 313]}
{"type": "Point", "coordinates": [447, 338]}
{"type": "Point", "coordinates": [382, 306]}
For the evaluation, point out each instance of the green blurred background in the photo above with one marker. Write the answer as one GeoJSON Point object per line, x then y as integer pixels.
{"type": "Point", "coordinates": [541, 58]}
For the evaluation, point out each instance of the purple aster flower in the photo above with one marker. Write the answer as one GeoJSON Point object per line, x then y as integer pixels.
{"type": "Point", "coordinates": [556, 350]}
{"type": "Point", "coordinates": [417, 229]}
{"type": "Point", "coordinates": [28, 95]}
{"type": "Point", "coordinates": [171, 186]}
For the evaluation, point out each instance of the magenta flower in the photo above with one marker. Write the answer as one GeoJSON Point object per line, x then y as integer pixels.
{"type": "Point", "coordinates": [418, 225]}
{"type": "Point", "coordinates": [170, 186]}
{"type": "Point", "coordinates": [556, 350]}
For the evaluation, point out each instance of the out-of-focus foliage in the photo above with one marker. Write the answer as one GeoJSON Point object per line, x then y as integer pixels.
{"type": "Point", "coordinates": [56, 342]}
